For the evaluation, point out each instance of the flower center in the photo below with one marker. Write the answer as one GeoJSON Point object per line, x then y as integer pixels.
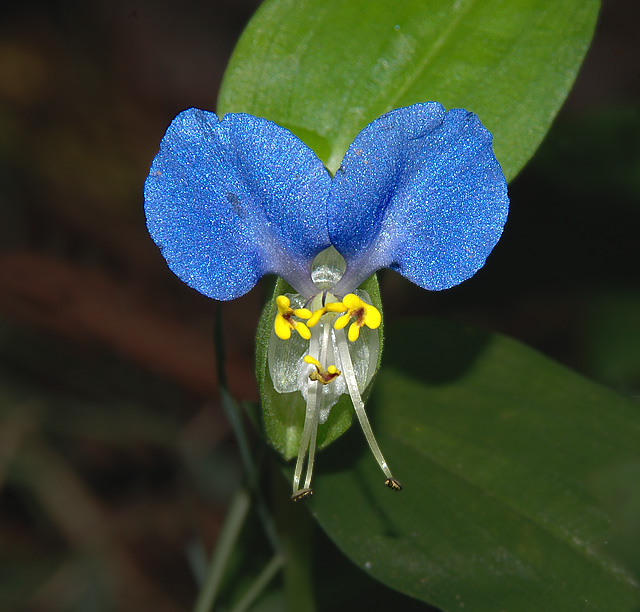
{"type": "Point", "coordinates": [320, 341]}
{"type": "Point", "coordinates": [320, 363]}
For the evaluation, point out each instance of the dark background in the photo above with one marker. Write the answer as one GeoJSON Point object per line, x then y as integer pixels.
{"type": "Point", "coordinates": [116, 462]}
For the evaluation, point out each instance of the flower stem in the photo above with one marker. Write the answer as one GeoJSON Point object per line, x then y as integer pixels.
{"type": "Point", "coordinates": [234, 416]}
{"type": "Point", "coordinates": [229, 405]}
{"type": "Point", "coordinates": [259, 584]}
{"type": "Point", "coordinates": [227, 539]}
{"type": "Point", "coordinates": [296, 531]}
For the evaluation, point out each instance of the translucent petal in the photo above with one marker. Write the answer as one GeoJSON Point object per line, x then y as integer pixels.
{"type": "Point", "coordinates": [419, 191]}
{"type": "Point", "coordinates": [230, 200]}
{"type": "Point", "coordinates": [285, 356]}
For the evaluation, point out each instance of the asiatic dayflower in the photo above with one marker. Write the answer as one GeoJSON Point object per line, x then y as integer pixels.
{"type": "Point", "coordinates": [419, 191]}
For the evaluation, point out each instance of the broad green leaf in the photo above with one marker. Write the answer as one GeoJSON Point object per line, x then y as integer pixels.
{"type": "Point", "coordinates": [502, 454]}
{"type": "Point", "coordinates": [283, 413]}
{"type": "Point", "coordinates": [326, 68]}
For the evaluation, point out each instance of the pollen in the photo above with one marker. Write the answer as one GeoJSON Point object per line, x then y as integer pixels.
{"type": "Point", "coordinates": [394, 484]}
{"type": "Point", "coordinates": [361, 313]}
{"type": "Point", "coordinates": [321, 375]}
{"type": "Point", "coordinates": [285, 322]}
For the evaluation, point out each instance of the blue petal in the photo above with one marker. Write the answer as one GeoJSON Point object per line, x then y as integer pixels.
{"type": "Point", "coordinates": [421, 192]}
{"type": "Point", "coordinates": [230, 200]}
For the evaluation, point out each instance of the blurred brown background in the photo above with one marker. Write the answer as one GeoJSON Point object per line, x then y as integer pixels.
{"type": "Point", "coordinates": [115, 461]}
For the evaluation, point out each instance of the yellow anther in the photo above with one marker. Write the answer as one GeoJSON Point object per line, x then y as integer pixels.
{"type": "Point", "coordinates": [285, 323]}
{"type": "Point", "coordinates": [312, 361]}
{"type": "Point", "coordinates": [321, 375]}
{"type": "Point", "coordinates": [330, 307]}
{"type": "Point", "coordinates": [336, 307]}
{"type": "Point", "coordinates": [342, 321]}
{"type": "Point", "coordinates": [315, 317]}
{"type": "Point", "coordinates": [361, 312]}
{"type": "Point", "coordinates": [283, 303]}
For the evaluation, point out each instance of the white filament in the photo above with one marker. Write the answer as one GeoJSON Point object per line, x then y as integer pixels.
{"type": "Point", "coordinates": [310, 428]}
{"type": "Point", "coordinates": [358, 404]}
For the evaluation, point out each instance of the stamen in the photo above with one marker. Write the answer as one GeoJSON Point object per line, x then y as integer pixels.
{"type": "Point", "coordinates": [363, 313]}
{"type": "Point", "coordinates": [323, 324]}
{"type": "Point", "coordinates": [330, 307]}
{"type": "Point", "coordinates": [302, 494]}
{"type": "Point", "coordinates": [314, 405]}
{"type": "Point", "coordinates": [307, 443]}
{"type": "Point", "coordinates": [321, 375]}
{"type": "Point", "coordinates": [394, 484]}
{"type": "Point", "coordinates": [358, 405]}
{"type": "Point", "coordinates": [284, 323]}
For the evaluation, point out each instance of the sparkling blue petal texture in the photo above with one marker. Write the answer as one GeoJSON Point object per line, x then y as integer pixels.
{"type": "Point", "coordinates": [230, 200]}
{"type": "Point", "coordinates": [421, 192]}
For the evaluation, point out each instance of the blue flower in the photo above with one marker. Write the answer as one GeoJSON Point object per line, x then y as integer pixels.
{"type": "Point", "coordinates": [419, 191]}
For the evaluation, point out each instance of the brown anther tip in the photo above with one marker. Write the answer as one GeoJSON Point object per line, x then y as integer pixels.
{"type": "Point", "coordinates": [394, 484]}
{"type": "Point", "coordinates": [303, 494]}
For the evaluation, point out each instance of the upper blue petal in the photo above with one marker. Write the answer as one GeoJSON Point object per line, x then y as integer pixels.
{"type": "Point", "coordinates": [419, 191]}
{"type": "Point", "coordinates": [230, 200]}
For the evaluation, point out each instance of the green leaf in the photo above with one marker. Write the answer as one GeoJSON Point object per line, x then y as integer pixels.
{"type": "Point", "coordinates": [502, 455]}
{"type": "Point", "coordinates": [283, 413]}
{"type": "Point", "coordinates": [326, 68]}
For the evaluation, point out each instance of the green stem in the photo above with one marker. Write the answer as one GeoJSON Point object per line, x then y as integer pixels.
{"type": "Point", "coordinates": [230, 407]}
{"type": "Point", "coordinates": [295, 528]}
{"type": "Point", "coordinates": [226, 541]}
{"type": "Point", "coordinates": [260, 583]}
{"type": "Point", "coordinates": [234, 416]}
